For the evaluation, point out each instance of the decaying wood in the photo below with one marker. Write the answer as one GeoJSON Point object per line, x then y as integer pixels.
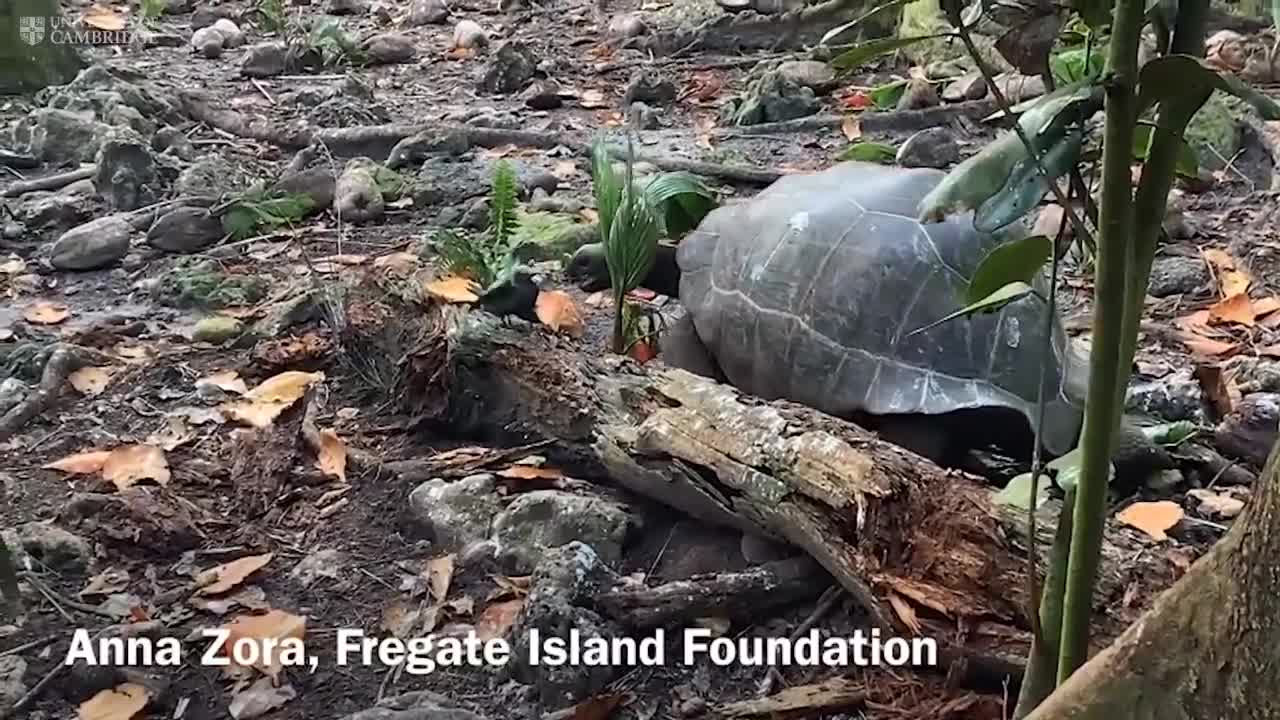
{"type": "Point", "coordinates": [52, 182]}
{"type": "Point", "coordinates": [737, 596]}
{"type": "Point", "coordinates": [834, 695]}
{"type": "Point", "coordinates": [893, 529]}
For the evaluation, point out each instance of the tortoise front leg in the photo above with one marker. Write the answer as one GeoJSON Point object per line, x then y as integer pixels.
{"type": "Point", "coordinates": [682, 348]}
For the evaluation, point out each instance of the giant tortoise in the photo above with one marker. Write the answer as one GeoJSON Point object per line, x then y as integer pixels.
{"type": "Point", "coordinates": [811, 291]}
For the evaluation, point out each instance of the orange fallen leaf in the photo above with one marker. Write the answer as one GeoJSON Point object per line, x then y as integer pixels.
{"type": "Point", "coordinates": [226, 576]}
{"type": "Point", "coordinates": [557, 311]}
{"type": "Point", "coordinates": [454, 288]}
{"type": "Point", "coordinates": [82, 463]}
{"type": "Point", "coordinates": [266, 632]}
{"type": "Point", "coordinates": [121, 702]}
{"type": "Point", "coordinates": [851, 128]}
{"type": "Point", "coordinates": [1233, 309]}
{"type": "Point", "coordinates": [126, 465]}
{"type": "Point", "coordinates": [497, 619]}
{"type": "Point", "coordinates": [1207, 347]}
{"type": "Point", "coordinates": [91, 381]}
{"type": "Point", "coordinates": [1152, 518]}
{"type": "Point", "coordinates": [332, 457]}
{"type": "Point", "coordinates": [529, 472]}
{"type": "Point", "coordinates": [45, 312]}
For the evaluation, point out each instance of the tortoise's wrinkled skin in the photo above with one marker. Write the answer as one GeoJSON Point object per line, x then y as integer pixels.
{"type": "Point", "coordinates": [810, 292]}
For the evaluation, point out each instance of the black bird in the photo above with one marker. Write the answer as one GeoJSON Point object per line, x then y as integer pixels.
{"type": "Point", "coordinates": [517, 295]}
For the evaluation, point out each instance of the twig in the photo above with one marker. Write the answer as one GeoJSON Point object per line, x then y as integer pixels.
{"type": "Point", "coordinates": [52, 182]}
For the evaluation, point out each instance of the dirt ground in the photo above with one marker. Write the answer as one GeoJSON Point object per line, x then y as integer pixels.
{"type": "Point", "coordinates": [230, 494]}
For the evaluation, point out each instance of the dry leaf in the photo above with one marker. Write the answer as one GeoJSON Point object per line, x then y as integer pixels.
{"type": "Point", "coordinates": [126, 465]}
{"type": "Point", "coordinates": [1233, 309]}
{"type": "Point", "coordinates": [497, 619]}
{"type": "Point", "coordinates": [91, 381]}
{"type": "Point", "coordinates": [264, 403]}
{"type": "Point", "coordinates": [528, 472]}
{"type": "Point", "coordinates": [81, 463]}
{"type": "Point", "coordinates": [454, 288]}
{"type": "Point", "coordinates": [227, 380]}
{"type": "Point", "coordinates": [228, 575]}
{"type": "Point", "coordinates": [439, 574]}
{"type": "Point", "coordinates": [1219, 388]}
{"type": "Point", "coordinates": [103, 18]}
{"type": "Point", "coordinates": [600, 707]}
{"type": "Point", "coordinates": [557, 311]}
{"type": "Point", "coordinates": [332, 458]}
{"type": "Point", "coordinates": [45, 312]}
{"type": "Point", "coordinates": [1233, 282]}
{"type": "Point", "coordinates": [1208, 348]}
{"type": "Point", "coordinates": [851, 128]}
{"type": "Point", "coordinates": [1152, 518]}
{"type": "Point", "coordinates": [121, 702]}
{"type": "Point", "coordinates": [266, 631]}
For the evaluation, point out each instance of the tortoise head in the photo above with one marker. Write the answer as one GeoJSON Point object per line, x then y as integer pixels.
{"type": "Point", "coordinates": [588, 268]}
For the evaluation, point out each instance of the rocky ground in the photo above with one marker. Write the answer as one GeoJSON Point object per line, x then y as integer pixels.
{"type": "Point", "coordinates": [197, 429]}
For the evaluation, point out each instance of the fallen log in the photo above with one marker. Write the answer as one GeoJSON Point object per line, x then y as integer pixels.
{"type": "Point", "coordinates": [922, 549]}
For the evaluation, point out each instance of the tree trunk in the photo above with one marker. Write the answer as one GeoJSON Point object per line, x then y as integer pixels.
{"type": "Point", "coordinates": [922, 549]}
{"type": "Point", "coordinates": [1207, 647]}
{"type": "Point", "coordinates": [30, 57]}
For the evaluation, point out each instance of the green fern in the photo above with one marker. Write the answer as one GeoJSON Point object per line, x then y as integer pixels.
{"type": "Point", "coordinates": [502, 204]}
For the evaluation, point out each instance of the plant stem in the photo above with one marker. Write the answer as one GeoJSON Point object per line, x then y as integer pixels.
{"type": "Point", "coordinates": [1040, 677]}
{"type": "Point", "coordinates": [1102, 409]}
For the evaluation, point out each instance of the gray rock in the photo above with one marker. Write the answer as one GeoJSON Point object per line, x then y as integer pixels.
{"type": "Point", "coordinates": [626, 25]}
{"type": "Point", "coordinates": [970, 87]}
{"type": "Point", "coordinates": [232, 35]}
{"type": "Point", "coordinates": [456, 514]}
{"type": "Point", "coordinates": [59, 136]}
{"type": "Point", "coordinates": [642, 117]}
{"type": "Point", "coordinates": [49, 545]}
{"type": "Point", "coordinates": [420, 705]}
{"type": "Point", "coordinates": [428, 12]}
{"type": "Point", "coordinates": [210, 176]}
{"type": "Point", "coordinates": [348, 7]}
{"type": "Point", "coordinates": [649, 87]}
{"type": "Point", "coordinates": [12, 687]}
{"type": "Point", "coordinates": [185, 230]}
{"type": "Point", "coordinates": [93, 245]}
{"type": "Point", "coordinates": [265, 60]}
{"type": "Point", "coordinates": [929, 148]}
{"type": "Point", "coordinates": [468, 34]}
{"type": "Point", "coordinates": [509, 70]}
{"type": "Point", "coordinates": [817, 76]}
{"type": "Point", "coordinates": [562, 589]}
{"type": "Point", "coordinates": [1174, 397]}
{"type": "Point", "coordinates": [1176, 274]}
{"type": "Point", "coordinates": [127, 175]}
{"type": "Point", "coordinates": [542, 519]}
{"type": "Point", "coordinates": [390, 49]}
{"type": "Point", "coordinates": [330, 563]}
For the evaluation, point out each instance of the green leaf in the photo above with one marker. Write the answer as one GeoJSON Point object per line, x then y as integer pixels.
{"type": "Point", "coordinates": [1009, 293]}
{"type": "Point", "coordinates": [861, 53]}
{"type": "Point", "coordinates": [1018, 492]}
{"type": "Point", "coordinates": [1018, 260]}
{"type": "Point", "coordinates": [867, 151]}
{"type": "Point", "coordinates": [886, 96]}
{"type": "Point", "coordinates": [1188, 165]}
{"type": "Point", "coordinates": [839, 30]}
{"type": "Point", "coordinates": [1026, 186]}
{"type": "Point", "coordinates": [681, 199]}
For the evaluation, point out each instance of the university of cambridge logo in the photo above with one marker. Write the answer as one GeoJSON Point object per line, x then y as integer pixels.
{"type": "Point", "coordinates": [31, 29]}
